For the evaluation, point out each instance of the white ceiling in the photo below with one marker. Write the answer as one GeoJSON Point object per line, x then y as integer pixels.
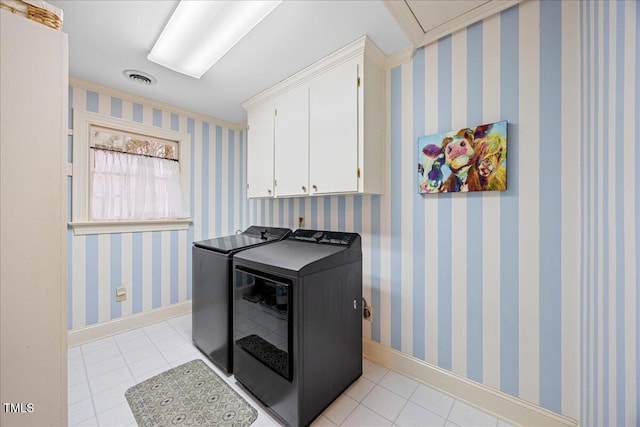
{"type": "Point", "coordinates": [109, 36]}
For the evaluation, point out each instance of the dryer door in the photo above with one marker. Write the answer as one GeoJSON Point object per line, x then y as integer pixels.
{"type": "Point", "coordinates": [262, 319]}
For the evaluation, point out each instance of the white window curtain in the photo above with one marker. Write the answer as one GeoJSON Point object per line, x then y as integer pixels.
{"type": "Point", "coordinates": [134, 187]}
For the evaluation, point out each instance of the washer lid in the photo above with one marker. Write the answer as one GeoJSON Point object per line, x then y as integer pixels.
{"type": "Point", "coordinates": [253, 236]}
{"type": "Point", "coordinates": [304, 252]}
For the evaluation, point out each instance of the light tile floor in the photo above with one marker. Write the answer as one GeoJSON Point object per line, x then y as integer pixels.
{"type": "Point", "coordinates": [101, 371]}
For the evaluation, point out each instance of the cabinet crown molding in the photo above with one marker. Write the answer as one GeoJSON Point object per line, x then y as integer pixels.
{"type": "Point", "coordinates": [363, 45]}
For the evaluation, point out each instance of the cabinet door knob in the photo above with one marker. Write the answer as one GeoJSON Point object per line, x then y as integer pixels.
{"type": "Point", "coordinates": [315, 187]}
{"type": "Point", "coordinates": [304, 188]}
{"type": "Point", "coordinates": [269, 190]}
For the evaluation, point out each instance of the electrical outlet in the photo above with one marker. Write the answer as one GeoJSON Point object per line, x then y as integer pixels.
{"type": "Point", "coordinates": [300, 221]}
{"type": "Point", "coordinates": [121, 294]}
{"type": "Point", "coordinates": [367, 312]}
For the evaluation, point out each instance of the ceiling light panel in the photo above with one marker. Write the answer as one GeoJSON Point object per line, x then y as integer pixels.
{"type": "Point", "coordinates": [199, 33]}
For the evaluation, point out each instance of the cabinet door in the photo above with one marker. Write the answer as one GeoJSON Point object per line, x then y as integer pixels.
{"type": "Point", "coordinates": [333, 130]}
{"type": "Point", "coordinates": [260, 151]}
{"type": "Point", "coordinates": [292, 143]}
{"type": "Point", "coordinates": [33, 199]}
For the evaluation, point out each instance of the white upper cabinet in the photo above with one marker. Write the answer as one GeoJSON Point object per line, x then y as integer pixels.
{"type": "Point", "coordinates": [292, 143]}
{"type": "Point", "coordinates": [333, 130]}
{"type": "Point", "coordinates": [328, 127]}
{"type": "Point", "coordinates": [260, 151]}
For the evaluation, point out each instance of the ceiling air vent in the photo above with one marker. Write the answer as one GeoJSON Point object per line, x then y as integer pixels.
{"type": "Point", "coordinates": [140, 77]}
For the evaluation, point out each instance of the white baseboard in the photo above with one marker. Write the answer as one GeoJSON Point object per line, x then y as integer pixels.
{"type": "Point", "coordinates": [103, 330]}
{"type": "Point", "coordinates": [503, 406]}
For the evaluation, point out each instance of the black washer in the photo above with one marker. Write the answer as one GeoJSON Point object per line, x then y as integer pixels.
{"type": "Point", "coordinates": [212, 313]}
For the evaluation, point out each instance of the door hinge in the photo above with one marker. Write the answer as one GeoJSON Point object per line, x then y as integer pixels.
{"type": "Point", "coordinates": [248, 127]}
{"type": "Point", "coordinates": [275, 112]}
{"type": "Point", "coordinates": [275, 183]}
{"type": "Point", "coordinates": [358, 172]}
{"type": "Point", "coordinates": [358, 81]}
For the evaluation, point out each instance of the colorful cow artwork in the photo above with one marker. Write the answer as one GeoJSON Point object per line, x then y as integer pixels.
{"type": "Point", "coordinates": [469, 159]}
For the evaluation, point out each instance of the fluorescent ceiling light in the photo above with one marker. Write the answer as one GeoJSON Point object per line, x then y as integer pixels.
{"type": "Point", "coordinates": [199, 33]}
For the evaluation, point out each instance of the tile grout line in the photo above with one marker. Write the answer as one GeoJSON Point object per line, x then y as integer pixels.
{"type": "Point", "coordinates": [400, 413]}
{"type": "Point", "coordinates": [449, 414]}
{"type": "Point", "coordinates": [116, 385]}
{"type": "Point", "coordinates": [125, 360]}
{"type": "Point", "coordinates": [146, 335]}
{"type": "Point", "coordinates": [156, 347]}
{"type": "Point", "coordinates": [348, 415]}
{"type": "Point", "coordinates": [446, 418]}
{"type": "Point", "coordinates": [359, 402]}
{"type": "Point", "coordinates": [406, 402]}
{"type": "Point", "coordinates": [175, 329]}
{"type": "Point", "coordinates": [86, 374]}
{"type": "Point", "coordinates": [130, 372]}
{"type": "Point", "coordinates": [390, 391]}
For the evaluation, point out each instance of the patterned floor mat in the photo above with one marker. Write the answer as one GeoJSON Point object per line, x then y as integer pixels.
{"type": "Point", "coordinates": [188, 395]}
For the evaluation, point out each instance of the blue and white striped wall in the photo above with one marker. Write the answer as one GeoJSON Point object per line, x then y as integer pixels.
{"type": "Point", "coordinates": [485, 285]}
{"type": "Point", "coordinates": [154, 266]}
{"type": "Point", "coordinates": [610, 213]}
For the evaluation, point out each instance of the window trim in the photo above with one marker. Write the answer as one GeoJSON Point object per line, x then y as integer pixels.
{"type": "Point", "coordinates": [80, 219]}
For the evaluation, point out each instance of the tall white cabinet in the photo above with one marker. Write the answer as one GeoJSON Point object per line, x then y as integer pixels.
{"type": "Point", "coordinates": [33, 202]}
{"type": "Point", "coordinates": [324, 127]}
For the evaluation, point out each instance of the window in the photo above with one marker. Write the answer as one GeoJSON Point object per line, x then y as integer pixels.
{"type": "Point", "coordinates": [128, 176]}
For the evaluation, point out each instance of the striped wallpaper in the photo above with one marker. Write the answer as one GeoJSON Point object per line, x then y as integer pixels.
{"type": "Point", "coordinates": [610, 213]}
{"type": "Point", "coordinates": [154, 266]}
{"type": "Point", "coordinates": [488, 285]}
{"type": "Point", "coordinates": [532, 291]}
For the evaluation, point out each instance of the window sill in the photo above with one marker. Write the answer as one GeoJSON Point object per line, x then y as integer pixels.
{"type": "Point", "coordinates": [106, 227]}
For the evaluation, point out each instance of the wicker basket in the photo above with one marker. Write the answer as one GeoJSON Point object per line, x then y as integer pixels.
{"type": "Point", "coordinates": [44, 15]}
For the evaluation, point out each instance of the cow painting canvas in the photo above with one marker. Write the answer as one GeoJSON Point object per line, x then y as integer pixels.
{"type": "Point", "coordinates": [468, 159]}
